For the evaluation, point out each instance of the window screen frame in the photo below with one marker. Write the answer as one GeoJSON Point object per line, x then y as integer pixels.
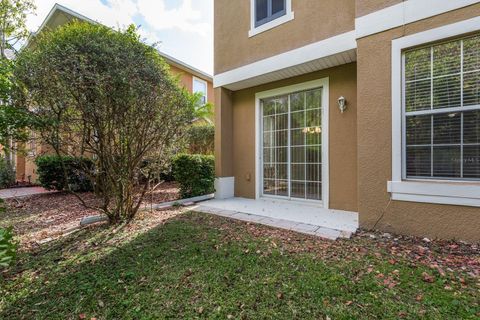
{"type": "Point", "coordinates": [461, 109]}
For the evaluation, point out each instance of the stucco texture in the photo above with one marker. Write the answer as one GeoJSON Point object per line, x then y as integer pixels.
{"type": "Point", "coordinates": [314, 21]}
{"type": "Point", "coordinates": [364, 7]}
{"type": "Point", "coordinates": [374, 145]}
{"type": "Point", "coordinates": [342, 135]}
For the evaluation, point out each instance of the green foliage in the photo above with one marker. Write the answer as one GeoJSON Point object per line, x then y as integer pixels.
{"type": "Point", "coordinates": [7, 174]}
{"type": "Point", "coordinates": [52, 170]}
{"type": "Point", "coordinates": [195, 173]}
{"type": "Point", "coordinates": [8, 247]}
{"type": "Point", "coordinates": [201, 139]}
{"type": "Point", "coordinates": [103, 92]}
{"type": "Point", "coordinates": [13, 27]}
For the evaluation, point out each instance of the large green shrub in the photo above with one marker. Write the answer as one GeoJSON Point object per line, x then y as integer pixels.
{"type": "Point", "coordinates": [195, 173]}
{"type": "Point", "coordinates": [201, 139]}
{"type": "Point", "coordinates": [7, 174]}
{"type": "Point", "coordinates": [51, 173]}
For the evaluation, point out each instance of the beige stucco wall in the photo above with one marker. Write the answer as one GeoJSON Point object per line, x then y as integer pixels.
{"type": "Point", "coordinates": [364, 7]}
{"type": "Point", "coordinates": [314, 21]}
{"type": "Point", "coordinates": [374, 145]}
{"type": "Point", "coordinates": [186, 79]}
{"type": "Point", "coordinates": [342, 136]}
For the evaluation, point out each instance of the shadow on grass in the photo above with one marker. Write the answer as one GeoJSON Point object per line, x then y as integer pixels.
{"type": "Point", "coordinates": [187, 269]}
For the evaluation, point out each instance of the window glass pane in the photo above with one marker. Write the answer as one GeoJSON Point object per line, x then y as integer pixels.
{"type": "Point", "coordinates": [314, 154]}
{"type": "Point", "coordinates": [298, 154]}
{"type": "Point", "coordinates": [314, 137]}
{"type": "Point", "coordinates": [446, 92]}
{"type": "Point", "coordinates": [297, 101]}
{"type": "Point", "coordinates": [268, 106]}
{"type": "Point", "coordinates": [281, 121]}
{"type": "Point", "coordinates": [419, 162]}
{"type": "Point", "coordinates": [471, 162]}
{"type": "Point", "coordinates": [261, 10]}
{"type": "Point", "coordinates": [269, 123]}
{"type": "Point", "coordinates": [446, 58]}
{"type": "Point", "coordinates": [471, 54]}
{"type": "Point", "coordinates": [418, 95]}
{"type": "Point", "coordinates": [281, 138]}
{"type": "Point", "coordinates": [314, 172]}
{"type": "Point", "coordinates": [314, 118]}
{"type": "Point", "coordinates": [418, 64]}
{"type": "Point", "coordinates": [314, 191]}
{"type": "Point", "coordinates": [298, 171]}
{"type": "Point", "coordinates": [200, 86]}
{"type": "Point", "coordinates": [278, 6]}
{"type": "Point", "coordinates": [281, 104]}
{"type": "Point", "coordinates": [471, 127]}
{"type": "Point", "coordinates": [314, 99]}
{"type": "Point", "coordinates": [446, 162]}
{"type": "Point", "coordinates": [443, 145]}
{"type": "Point", "coordinates": [447, 128]}
{"type": "Point", "coordinates": [297, 137]}
{"type": "Point", "coordinates": [298, 119]}
{"type": "Point", "coordinates": [281, 188]}
{"type": "Point", "coordinates": [298, 189]}
{"type": "Point", "coordinates": [471, 89]}
{"type": "Point", "coordinates": [419, 130]}
{"type": "Point", "coordinates": [269, 187]}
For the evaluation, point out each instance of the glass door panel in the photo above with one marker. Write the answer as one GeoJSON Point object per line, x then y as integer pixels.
{"type": "Point", "coordinates": [292, 145]}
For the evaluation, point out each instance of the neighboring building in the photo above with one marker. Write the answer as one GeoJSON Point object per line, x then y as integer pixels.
{"type": "Point", "coordinates": [192, 79]}
{"type": "Point", "coordinates": [404, 156]}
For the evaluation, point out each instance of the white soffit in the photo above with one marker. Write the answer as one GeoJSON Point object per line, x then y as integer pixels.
{"type": "Point", "coordinates": [403, 13]}
{"type": "Point", "coordinates": [331, 52]}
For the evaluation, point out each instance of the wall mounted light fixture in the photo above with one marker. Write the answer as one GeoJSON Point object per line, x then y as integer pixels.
{"type": "Point", "coordinates": [342, 104]}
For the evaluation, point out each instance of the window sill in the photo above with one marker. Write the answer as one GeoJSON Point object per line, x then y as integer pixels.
{"type": "Point", "coordinates": [440, 192]}
{"type": "Point", "coordinates": [272, 24]}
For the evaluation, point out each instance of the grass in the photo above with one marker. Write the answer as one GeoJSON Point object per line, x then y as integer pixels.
{"type": "Point", "coordinates": [200, 266]}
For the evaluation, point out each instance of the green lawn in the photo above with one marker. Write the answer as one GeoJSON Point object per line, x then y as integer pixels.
{"type": "Point", "coordinates": [200, 266]}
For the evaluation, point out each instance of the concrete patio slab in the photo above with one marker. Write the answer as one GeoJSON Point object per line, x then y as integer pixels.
{"type": "Point", "coordinates": [305, 228]}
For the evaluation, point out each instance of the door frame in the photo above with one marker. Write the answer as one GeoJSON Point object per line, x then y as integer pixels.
{"type": "Point", "coordinates": [320, 83]}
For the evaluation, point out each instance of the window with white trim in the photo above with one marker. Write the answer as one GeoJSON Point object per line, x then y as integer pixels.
{"type": "Point", "coordinates": [441, 110]}
{"type": "Point", "coordinates": [200, 86]}
{"type": "Point", "coordinates": [269, 10]}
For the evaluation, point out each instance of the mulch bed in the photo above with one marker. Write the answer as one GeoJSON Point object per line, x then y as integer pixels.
{"type": "Point", "coordinates": [41, 218]}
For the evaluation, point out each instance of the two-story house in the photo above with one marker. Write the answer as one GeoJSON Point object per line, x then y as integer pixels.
{"type": "Point", "coordinates": [193, 79]}
{"type": "Point", "coordinates": [346, 113]}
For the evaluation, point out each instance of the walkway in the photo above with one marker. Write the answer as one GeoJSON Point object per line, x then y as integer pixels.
{"type": "Point", "coordinates": [22, 192]}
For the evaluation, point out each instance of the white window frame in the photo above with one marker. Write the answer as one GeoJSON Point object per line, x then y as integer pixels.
{"type": "Point", "coordinates": [206, 87]}
{"type": "Point", "coordinates": [288, 16]}
{"type": "Point", "coordinates": [320, 83]}
{"type": "Point", "coordinates": [465, 193]}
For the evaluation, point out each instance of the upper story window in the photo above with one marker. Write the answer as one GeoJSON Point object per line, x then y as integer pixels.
{"type": "Point", "coordinates": [267, 14]}
{"type": "Point", "coordinates": [441, 107]}
{"type": "Point", "coordinates": [268, 10]}
{"type": "Point", "coordinates": [200, 85]}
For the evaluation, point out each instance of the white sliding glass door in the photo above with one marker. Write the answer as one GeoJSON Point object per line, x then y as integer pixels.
{"type": "Point", "coordinates": [291, 145]}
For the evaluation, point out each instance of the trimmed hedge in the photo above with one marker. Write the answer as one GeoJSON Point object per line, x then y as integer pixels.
{"type": "Point", "coordinates": [51, 173]}
{"type": "Point", "coordinates": [195, 173]}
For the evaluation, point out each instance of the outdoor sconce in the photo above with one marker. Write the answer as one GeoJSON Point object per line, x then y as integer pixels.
{"type": "Point", "coordinates": [342, 104]}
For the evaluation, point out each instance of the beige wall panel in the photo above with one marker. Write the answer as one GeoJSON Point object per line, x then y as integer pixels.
{"type": "Point", "coordinates": [365, 7]}
{"type": "Point", "coordinates": [374, 145]}
{"type": "Point", "coordinates": [342, 144]}
{"type": "Point", "coordinates": [314, 21]}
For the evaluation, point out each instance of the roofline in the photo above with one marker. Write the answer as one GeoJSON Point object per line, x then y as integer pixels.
{"type": "Point", "coordinates": [171, 60]}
